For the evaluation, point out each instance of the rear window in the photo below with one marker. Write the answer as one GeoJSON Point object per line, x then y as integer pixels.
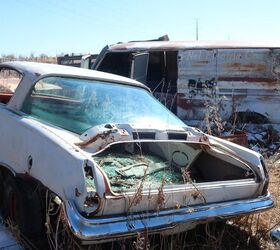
{"type": "Point", "coordinates": [79, 104]}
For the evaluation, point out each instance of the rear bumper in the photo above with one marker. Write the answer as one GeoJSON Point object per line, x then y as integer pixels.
{"type": "Point", "coordinates": [102, 229]}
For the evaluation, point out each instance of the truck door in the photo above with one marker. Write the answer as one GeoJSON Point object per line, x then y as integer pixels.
{"type": "Point", "coordinates": [139, 67]}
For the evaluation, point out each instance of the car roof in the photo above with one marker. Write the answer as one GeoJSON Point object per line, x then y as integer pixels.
{"type": "Point", "coordinates": [36, 70]}
{"type": "Point", "coordinates": [176, 45]}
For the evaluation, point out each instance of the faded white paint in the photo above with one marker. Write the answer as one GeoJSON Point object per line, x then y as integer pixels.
{"type": "Point", "coordinates": [59, 163]}
{"type": "Point", "coordinates": [237, 79]}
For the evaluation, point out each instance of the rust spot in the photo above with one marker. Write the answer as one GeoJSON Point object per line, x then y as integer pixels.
{"type": "Point", "coordinates": [187, 104]}
{"type": "Point", "coordinates": [247, 79]}
{"type": "Point", "coordinates": [200, 63]}
{"type": "Point", "coordinates": [203, 62]}
{"type": "Point", "coordinates": [204, 139]}
{"type": "Point", "coordinates": [94, 139]}
{"type": "Point", "coordinates": [264, 98]}
{"type": "Point", "coordinates": [195, 195]}
{"type": "Point", "coordinates": [247, 67]}
{"type": "Point", "coordinates": [182, 101]}
{"type": "Point", "coordinates": [239, 138]}
{"type": "Point", "coordinates": [77, 193]}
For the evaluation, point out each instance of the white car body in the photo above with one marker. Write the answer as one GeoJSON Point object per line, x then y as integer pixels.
{"type": "Point", "coordinates": [59, 159]}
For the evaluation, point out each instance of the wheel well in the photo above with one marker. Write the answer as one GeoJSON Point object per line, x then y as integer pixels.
{"type": "Point", "coordinates": [6, 171]}
{"type": "Point", "coordinates": [248, 117]}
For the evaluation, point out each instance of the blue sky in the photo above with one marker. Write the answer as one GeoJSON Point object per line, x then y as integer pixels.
{"type": "Point", "coordinates": [86, 26]}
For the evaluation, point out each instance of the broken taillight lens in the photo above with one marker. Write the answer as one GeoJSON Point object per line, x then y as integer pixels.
{"type": "Point", "coordinates": [91, 205]}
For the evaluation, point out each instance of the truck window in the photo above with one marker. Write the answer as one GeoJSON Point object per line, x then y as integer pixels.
{"type": "Point", "coordinates": [116, 63]}
{"type": "Point", "coordinates": [162, 77]}
{"type": "Point", "coordinates": [162, 71]}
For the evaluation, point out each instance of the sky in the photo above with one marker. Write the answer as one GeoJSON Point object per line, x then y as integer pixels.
{"type": "Point", "coordinates": [54, 27]}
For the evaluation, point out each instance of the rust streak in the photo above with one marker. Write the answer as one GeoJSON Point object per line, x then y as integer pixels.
{"type": "Point", "coordinates": [201, 62]}
{"type": "Point", "coordinates": [247, 79]}
{"type": "Point", "coordinates": [188, 104]}
{"type": "Point", "coordinates": [93, 139]}
{"type": "Point", "coordinates": [182, 102]}
{"type": "Point", "coordinates": [247, 67]}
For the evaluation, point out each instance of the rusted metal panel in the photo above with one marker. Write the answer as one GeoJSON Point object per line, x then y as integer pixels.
{"type": "Point", "coordinates": [237, 79]}
{"type": "Point", "coordinates": [247, 68]}
{"type": "Point", "coordinates": [238, 137]}
{"type": "Point", "coordinates": [196, 80]}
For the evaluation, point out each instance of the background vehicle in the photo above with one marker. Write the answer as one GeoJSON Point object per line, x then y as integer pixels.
{"type": "Point", "coordinates": [83, 61]}
{"type": "Point", "coordinates": [237, 77]}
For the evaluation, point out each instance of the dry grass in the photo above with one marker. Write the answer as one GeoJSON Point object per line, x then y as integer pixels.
{"type": "Point", "coordinates": [259, 226]}
{"type": "Point", "coordinates": [270, 219]}
{"type": "Point", "coordinates": [247, 232]}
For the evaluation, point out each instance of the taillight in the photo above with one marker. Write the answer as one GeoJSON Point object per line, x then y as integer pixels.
{"type": "Point", "coordinates": [91, 205]}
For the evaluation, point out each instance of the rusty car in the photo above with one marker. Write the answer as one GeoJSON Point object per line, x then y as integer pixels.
{"type": "Point", "coordinates": [241, 78]}
{"type": "Point", "coordinates": [115, 159]}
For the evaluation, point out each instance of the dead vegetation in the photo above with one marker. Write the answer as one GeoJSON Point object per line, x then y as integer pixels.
{"type": "Point", "coordinates": [248, 232]}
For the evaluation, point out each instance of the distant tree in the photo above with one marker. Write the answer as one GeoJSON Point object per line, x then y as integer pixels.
{"type": "Point", "coordinates": [11, 56]}
{"type": "Point", "coordinates": [22, 58]}
{"type": "Point", "coordinates": [43, 56]}
{"type": "Point", "coordinates": [32, 55]}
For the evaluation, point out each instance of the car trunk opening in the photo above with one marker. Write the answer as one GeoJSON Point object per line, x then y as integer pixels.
{"type": "Point", "coordinates": [168, 174]}
{"type": "Point", "coordinates": [172, 163]}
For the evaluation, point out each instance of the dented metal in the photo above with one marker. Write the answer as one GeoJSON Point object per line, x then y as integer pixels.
{"type": "Point", "coordinates": [239, 80]}
{"type": "Point", "coordinates": [237, 77]}
{"type": "Point", "coordinates": [114, 179]}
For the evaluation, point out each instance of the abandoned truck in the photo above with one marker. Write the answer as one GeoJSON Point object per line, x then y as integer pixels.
{"type": "Point", "coordinates": [116, 160]}
{"type": "Point", "coordinates": [240, 78]}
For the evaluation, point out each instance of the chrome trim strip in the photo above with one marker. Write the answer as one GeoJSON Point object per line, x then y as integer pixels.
{"type": "Point", "coordinates": [111, 228]}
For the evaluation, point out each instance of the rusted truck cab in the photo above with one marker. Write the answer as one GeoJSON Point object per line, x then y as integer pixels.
{"type": "Point", "coordinates": [239, 78]}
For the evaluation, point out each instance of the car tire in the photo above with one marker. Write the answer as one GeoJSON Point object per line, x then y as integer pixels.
{"type": "Point", "coordinates": [22, 207]}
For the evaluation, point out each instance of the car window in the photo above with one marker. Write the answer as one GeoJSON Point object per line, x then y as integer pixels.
{"type": "Point", "coordinates": [77, 104]}
{"type": "Point", "coordinates": [9, 80]}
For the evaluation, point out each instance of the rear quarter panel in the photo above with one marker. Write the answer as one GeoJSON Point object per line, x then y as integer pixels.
{"type": "Point", "coordinates": [55, 163]}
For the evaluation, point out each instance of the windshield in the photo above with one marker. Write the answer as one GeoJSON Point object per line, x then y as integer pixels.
{"type": "Point", "coordinates": [78, 104]}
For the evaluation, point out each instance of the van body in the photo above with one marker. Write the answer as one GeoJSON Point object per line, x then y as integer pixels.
{"type": "Point", "coordinates": [188, 77]}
